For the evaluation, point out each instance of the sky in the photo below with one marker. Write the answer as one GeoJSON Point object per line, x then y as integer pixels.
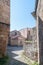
{"type": "Point", "coordinates": [20, 14]}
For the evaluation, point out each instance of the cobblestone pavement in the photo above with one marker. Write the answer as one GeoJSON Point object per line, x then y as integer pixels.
{"type": "Point", "coordinates": [15, 56]}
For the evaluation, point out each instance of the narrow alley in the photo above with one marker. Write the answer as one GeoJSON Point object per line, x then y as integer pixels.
{"type": "Point", "coordinates": [15, 57]}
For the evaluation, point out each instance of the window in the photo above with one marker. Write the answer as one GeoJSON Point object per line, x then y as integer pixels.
{"type": "Point", "coordinates": [29, 32]}
{"type": "Point", "coordinates": [15, 33]}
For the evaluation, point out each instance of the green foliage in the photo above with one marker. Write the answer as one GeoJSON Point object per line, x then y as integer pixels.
{"type": "Point", "coordinates": [4, 60]}
{"type": "Point", "coordinates": [28, 60]}
{"type": "Point", "coordinates": [27, 42]}
{"type": "Point", "coordinates": [35, 63]}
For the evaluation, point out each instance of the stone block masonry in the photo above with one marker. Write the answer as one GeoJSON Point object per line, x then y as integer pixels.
{"type": "Point", "coordinates": [4, 33]}
{"type": "Point", "coordinates": [4, 25]}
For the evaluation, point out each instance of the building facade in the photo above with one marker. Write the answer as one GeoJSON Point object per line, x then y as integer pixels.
{"type": "Point", "coordinates": [38, 14]}
{"type": "Point", "coordinates": [26, 33]}
{"type": "Point", "coordinates": [16, 39]}
{"type": "Point", "coordinates": [4, 25]}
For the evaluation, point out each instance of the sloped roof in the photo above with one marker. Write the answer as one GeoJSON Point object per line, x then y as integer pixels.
{"type": "Point", "coordinates": [34, 12]}
{"type": "Point", "coordinates": [17, 36]}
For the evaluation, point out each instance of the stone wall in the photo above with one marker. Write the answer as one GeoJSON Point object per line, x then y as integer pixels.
{"type": "Point", "coordinates": [5, 11]}
{"type": "Point", "coordinates": [30, 51]}
{"type": "Point", "coordinates": [4, 33]}
{"type": "Point", "coordinates": [39, 25]}
{"type": "Point", "coordinates": [14, 42]}
{"type": "Point", "coordinates": [40, 41]}
{"type": "Point", "coordinates": [39, 20]}
{"type": "Point", "coordinates": [30, 47]}
{"type": "Point", "coordinates": [34, 37]}
{"type": "Point", "coordinates": [4, 25]}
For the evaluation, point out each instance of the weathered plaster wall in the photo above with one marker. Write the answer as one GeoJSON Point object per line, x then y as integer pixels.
{"type": "Point", "coordinates": [39, 14]}
{"type": "Point", "coordinates": [5, 11]}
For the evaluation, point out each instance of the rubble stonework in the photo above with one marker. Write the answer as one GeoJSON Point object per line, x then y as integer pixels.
{"type": "Point", "coordinates": [4, 25]}
{"type": "Point", "coordinates": [30, 45]}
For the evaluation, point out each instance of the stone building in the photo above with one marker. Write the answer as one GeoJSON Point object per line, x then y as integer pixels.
{"type": "Point", "coordinates": [16, 39]}
{"type": "Point", "coordinates": [26, 33]}
{"type": "Point", "coordinates": [38, 14]}
{"type": "Point", "coordinates": [4, 25]}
